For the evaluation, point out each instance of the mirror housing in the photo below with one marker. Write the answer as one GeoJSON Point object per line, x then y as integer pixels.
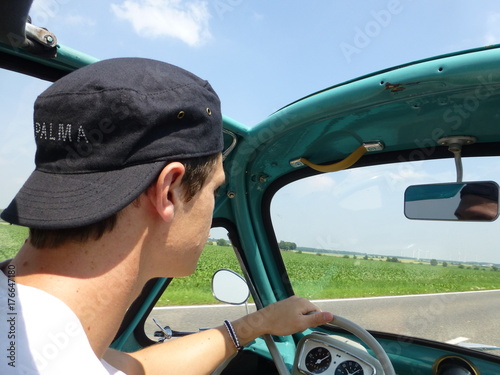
{"type": "Point", "coordinates": [229, 287]}
{"type": "Point", "coordinates": [468, 201]}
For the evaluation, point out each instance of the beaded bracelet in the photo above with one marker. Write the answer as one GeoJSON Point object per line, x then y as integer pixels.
{"type": "Point", "coordinates": [232, 334]}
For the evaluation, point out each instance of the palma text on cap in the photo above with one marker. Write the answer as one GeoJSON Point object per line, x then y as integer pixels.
{"type": "Point", "coordinates": [59, 132]}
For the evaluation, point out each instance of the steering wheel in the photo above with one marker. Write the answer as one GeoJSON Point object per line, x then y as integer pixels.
{"type": "Point", "coordinates": [224, 277]}
{"type": "Point", "coordinates": [349, 326]}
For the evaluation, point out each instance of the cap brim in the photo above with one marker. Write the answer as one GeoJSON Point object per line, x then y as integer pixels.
{"type": "Point", "coordinates": [58, 201]}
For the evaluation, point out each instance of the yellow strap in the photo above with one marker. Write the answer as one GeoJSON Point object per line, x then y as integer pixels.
{"type": "Point", "coordinates": [343, 164]}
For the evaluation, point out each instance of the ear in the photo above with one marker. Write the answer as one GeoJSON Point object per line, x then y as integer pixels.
{"type": "Point", "coordinates": [167, 193]}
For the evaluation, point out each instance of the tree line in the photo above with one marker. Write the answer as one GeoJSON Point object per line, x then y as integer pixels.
{"type": "Point", "coordinates": [284, 245]}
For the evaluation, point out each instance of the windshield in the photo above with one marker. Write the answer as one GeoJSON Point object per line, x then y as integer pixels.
{"type": "Point", "coordinates": [351, 244]}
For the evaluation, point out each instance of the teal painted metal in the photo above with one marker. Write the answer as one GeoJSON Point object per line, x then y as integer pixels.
{"type": "Point", "coordinates": [245, 215]}
{"type": "Point", "coordinates": [390, 69]}
{"type": "Point", "coordinates": [398, 107]}
{"type": "Point", "coordinates": [245, 226]}
{"type": "Point", "coordinates": [67, 59]}
{"type": "Point", "coordinates": [234, 125]}
{"type": "Point", "coordinates": [406, 108]}
{"type": "Point", "coordinates": [127, 342]}
{"type": "Point", "coordinates": [73, 58]}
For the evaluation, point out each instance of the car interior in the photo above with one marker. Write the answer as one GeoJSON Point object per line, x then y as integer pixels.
{"type": "Point", "coordinates": [377, 198]}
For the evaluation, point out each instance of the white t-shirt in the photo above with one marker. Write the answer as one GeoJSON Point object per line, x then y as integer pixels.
{"type": "Point", "coordinates": [40, 334]}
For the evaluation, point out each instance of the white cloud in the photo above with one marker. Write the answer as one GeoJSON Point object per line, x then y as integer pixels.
{"type": "Point", "coordinates": [45, 13]}
{"type": "Point", "coordinates": [44, 8]}
{"type": "Point", "coordinates": [187, 21]}
{"type": "Point", "coordinates": [313, 185]}
{"type": "Point", "coordinates": [369, 198]}
{"type": "Point", "coordinates": [258, 16]}
{"type": "Point", "coordinates": [78, 20]}
{"type": "Point", "coordinates": [492, 35]}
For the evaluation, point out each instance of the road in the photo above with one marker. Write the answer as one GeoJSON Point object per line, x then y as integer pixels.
{"type": "Point", "coordinates": [467, 317]}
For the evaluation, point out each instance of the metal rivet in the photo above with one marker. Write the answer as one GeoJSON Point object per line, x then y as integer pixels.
{"type": "Point", "coordinates": [296, 163]}
{"type": "Point", "coordinates": [209, 111]}
{"type": "Point", "coordinates": [181, 114]}
{"type": "Point", "coordinates": [231, 194]}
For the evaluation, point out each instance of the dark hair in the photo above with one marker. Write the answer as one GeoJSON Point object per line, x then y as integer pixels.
{"type": "Point", "coordinates": [197, 171]}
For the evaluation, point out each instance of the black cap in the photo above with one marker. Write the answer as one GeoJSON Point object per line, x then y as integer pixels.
{"type": "Point", "coordinates": [488, 190]}
{"type": "Point", "coordinates": [105, 131]}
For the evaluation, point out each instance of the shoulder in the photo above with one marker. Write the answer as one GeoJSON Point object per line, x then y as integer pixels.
{"type": "Point", "coordinates": [44, 335]}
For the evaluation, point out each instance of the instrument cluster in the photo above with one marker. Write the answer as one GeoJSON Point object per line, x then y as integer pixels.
{"type": "Point", "coordinates": [333, 355]}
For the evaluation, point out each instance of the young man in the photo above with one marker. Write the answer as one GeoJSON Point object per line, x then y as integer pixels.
{"type": "Point", "coordinates": [128, 161]}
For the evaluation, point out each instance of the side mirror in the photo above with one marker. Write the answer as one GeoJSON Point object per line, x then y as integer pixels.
{"type": "Point", "coordinates": [229, 287]}
{"type": "Point", "coordinates": [470, 201]}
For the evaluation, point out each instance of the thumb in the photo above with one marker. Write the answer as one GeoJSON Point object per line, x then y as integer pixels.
{"type": "Point", "coordinates": [319, 318]}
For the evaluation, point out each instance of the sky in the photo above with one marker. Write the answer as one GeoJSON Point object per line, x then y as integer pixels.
{"type": "Point", "coordinates": [258, 55]}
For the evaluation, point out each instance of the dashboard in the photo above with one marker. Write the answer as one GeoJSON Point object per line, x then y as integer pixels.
{"type": "Point", "coordinates": [319, 353]}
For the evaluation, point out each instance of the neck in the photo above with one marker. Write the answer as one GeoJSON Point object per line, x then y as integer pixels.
{"type": "Point", "coordinates": [98, 280]}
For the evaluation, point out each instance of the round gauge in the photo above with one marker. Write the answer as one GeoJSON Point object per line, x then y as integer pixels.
{"type": "Point", "coordinates": [349, 368]}
{"type": "Point", "coordinates": [318, 360]}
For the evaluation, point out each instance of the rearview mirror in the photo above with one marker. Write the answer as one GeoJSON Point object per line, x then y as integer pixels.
{"type": "Point", "coordinates": [469, 201]}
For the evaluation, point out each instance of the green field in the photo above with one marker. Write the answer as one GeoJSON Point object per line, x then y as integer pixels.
{"type": "Point", "coordinates": [11, 238]}
{"type": "Point", "coordinates": [315, 277]}
{"type": "Point", "coordinates": [196, 289]}
{"type": "Point", "coordinates": [320, 277]}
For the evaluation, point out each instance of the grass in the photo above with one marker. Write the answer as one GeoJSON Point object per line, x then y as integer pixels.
{"type": "Point", "coordinates": [324, 277]}
{"type": "Point", "coordinates": [196, 289]}
{"type": "Point", "coordinates": [11, 239]}
{"type": "Point", "coordinates": [321, 277]}
{"type": "Point", "coordinates": [313, 276]}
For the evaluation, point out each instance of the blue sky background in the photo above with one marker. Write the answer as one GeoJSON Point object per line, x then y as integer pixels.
{"type": "Point", "coordinates": [258, 55]}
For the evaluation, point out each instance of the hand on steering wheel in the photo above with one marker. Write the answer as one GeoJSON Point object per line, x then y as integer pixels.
{"type": "Point", "coordinates": [349, 326]}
